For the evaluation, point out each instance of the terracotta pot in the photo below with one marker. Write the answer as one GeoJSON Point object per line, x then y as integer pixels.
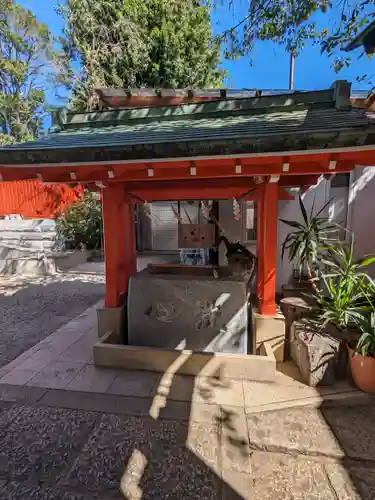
{"type": "Point", "coordinates": [363, 371]}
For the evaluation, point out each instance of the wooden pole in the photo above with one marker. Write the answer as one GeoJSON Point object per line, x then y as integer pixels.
{"type": "Point", "coordinates": [291, 71]}
{"type": "Point", "coordinates": [267, 249]}
{"type": "Point", "coordinates": [119, 243]}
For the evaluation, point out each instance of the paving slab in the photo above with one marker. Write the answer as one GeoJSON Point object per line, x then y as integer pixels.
{"type": "Point", "coordinates": [351, 480]}
{"type": "Point", "coordinates": [284, 477]}
{"type": "Point", "coordinates": [39, 444]}
{"type": "Point", "coordinates": [146, 462]}
{"type": "Point", "coordinates": [234, 446]}
{"type": "Point", "coordinates": [237, 486]}
{"type": "Point", "coordinates": [209, 390]}
{"type": "Point", "coordinates": [56, 375]}
{"type": "Point", "coordinates": [352, 427]}
{"type": "Point", "coordinates": [19, 491]}
{"type": "Point", "coordinates": [63, 454]}
{"type": "Point", "coordinates": [301, 430]}
{"type": "Point", "coordinates": [80, 351]}
{"type": "Point", "coordinates": [168, 466]}
{"type": "Point", "coordinates": [20, 394]}
{"type": "Point", "coordinates": [92, 378]}
{"type": "Point", "coordinates": [25, 371]}
{"type": "Point", "coordinates": [219, 391]}
{"type": "Point", "coordinates": [134, 383]}
{"type": "Point", "coordinates": [172, 473]}
{"type": "Point", "coordinates": [91, 401]}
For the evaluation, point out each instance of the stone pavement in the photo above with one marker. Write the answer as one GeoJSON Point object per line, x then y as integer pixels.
{"type": "Point", "coordinates": [68, 445]}
{"type": "Point", "coordinates": [72, 431]}
{"type": "Point", "coordinates": [63, 360]}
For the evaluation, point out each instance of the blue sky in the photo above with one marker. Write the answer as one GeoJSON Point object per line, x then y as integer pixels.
{"type": "Point", "coordinates": [270, 63]}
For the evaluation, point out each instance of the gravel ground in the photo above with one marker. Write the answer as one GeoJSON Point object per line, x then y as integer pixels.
{"type": "Point", "coordinates": [33, 308]}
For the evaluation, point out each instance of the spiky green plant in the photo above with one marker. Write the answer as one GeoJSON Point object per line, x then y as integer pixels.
{"type": "Point", "coordinates": [366, 342]}
{"type": "Point", "coordinates": [345, 304]}
{"type": "Point", "coordinates": [340, 264]}
{"type": "Point", "coordinates": [308, 240]}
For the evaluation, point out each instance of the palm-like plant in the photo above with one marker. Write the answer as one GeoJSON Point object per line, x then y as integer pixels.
{"type": "Point", "coordinates": [345, 305]}
{"type": "Point", "coordinates": [366, 342]}
{"type": "Point", "coordinates": [341, 265]}
{"type": "Point", "coordinates": [309, 238]}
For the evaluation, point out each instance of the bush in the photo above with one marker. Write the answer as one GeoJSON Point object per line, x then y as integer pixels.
{"type": "Point", "coordinates": [80, 226]}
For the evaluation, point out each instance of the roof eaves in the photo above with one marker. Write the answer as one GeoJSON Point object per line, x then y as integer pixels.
{"type": "Point", "coordinates": [360, 39]}
{"type": "Point", "coordinates": [286, 102]}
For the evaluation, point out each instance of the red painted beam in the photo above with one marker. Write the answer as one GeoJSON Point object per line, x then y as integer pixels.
{"type": "Point", "coordinates": [190, 190]}
{"type": "Point", "coordinates": [311, 164]}
{"type": "Point", "coordinates": [298, 180]}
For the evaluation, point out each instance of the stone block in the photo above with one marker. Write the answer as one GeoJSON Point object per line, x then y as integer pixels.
{"type": "Point", "coordinates": [243, 367]}
{"type": "Point", "coordinates": [315, 352]}
{"type": "Point", "coordinates": [267, 328]}
{"type": "Point", "coordinates": [112, 319]}
{"type": "Point", "coordinates": [180, 312]}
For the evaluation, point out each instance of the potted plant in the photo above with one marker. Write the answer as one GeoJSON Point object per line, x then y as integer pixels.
{"type": "Point", "coordinates": [345, 301]}
{"type": "Point", "coordinates": [318, 341]}
{"type": "Point", "coordinates": [362, 358]}
{"type": "Point", "coordinates": [307, 241]}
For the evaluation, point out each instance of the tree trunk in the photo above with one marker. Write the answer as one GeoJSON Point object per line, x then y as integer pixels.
{"type": "Point", "coordinates": [311, 278]}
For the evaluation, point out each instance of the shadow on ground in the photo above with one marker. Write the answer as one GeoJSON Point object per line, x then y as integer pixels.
{"type": "Point", "coordinates": [32, 309]}
{"type": "Point", "coordinates": [352, 427]}
{"type": "Point", "coordinates": [60, 454]}
{"type": "Point", "coordinates": [184, 459]}
{"type": "Point", "coordinates": [309, 452]}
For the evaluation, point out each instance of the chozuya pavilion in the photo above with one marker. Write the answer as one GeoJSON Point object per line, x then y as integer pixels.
{"type": "Point", "coordinates": [194, 145]}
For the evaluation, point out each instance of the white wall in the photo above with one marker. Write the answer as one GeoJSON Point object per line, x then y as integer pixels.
{"type": "Point", "coordinates": [361, 211]}
{"type": "Point", "coordinates": [290, 210]}
{"type": "Point", "coordinates": [357, 207]}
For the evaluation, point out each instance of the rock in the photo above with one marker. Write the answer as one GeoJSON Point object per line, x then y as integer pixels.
{"type": "Point", "coordinates": [315, 352]}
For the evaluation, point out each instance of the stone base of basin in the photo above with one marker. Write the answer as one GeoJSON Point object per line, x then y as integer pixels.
{"type": "Point", "coordinates": [108, 352]}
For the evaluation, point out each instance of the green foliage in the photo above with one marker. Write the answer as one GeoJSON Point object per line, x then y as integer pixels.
{"type": "Point", "coordinates": [29, 63]}
{"type": "Point", "coordinates": [286, 22]}
{"type": "Point", "coordinates": [138, 43]}
{"type": "Point", "coordinates": [80, 227]}
{"type": "Point", "coordinates": [308, 239]}
{"type": "Point", "coordinates": [292, 23]}
{"type": "Point", "coordinates": [348, 298]}
{"type": "Point", "coordinates": [343, 304]}
{"type": "Point", "coordinates": [341, 266]}
{"type": "Point", "coordinates": [366, 342]}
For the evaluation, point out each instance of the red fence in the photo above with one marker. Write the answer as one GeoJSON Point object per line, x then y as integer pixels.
{"type": "Point", "coordinates": [34, 199]}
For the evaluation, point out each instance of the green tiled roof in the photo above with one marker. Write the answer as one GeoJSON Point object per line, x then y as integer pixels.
{"type": "Point", "coordinates": [298, 121]}
{"type": "Point", "coordinates": [230, 127]}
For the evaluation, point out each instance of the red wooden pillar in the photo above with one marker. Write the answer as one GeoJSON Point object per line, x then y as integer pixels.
{"type": "Point", "coordinates": [267, 248]}
{"type": "Point", "coordinates": [131, 253]}
{"type": "Point", "coordinates": [118, 230]}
